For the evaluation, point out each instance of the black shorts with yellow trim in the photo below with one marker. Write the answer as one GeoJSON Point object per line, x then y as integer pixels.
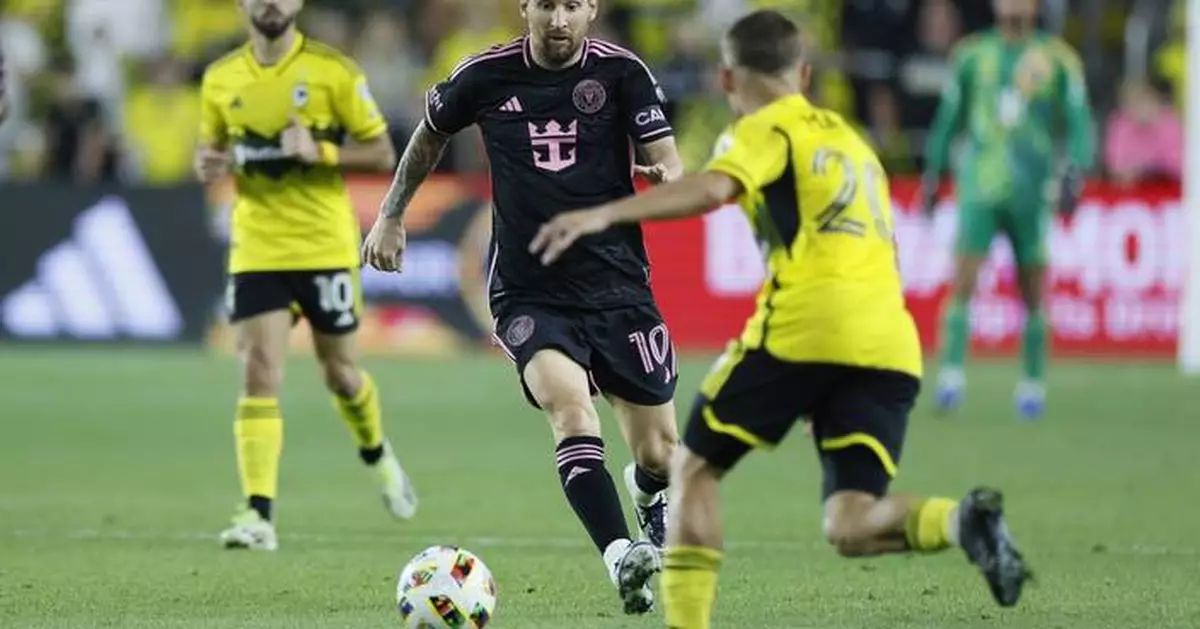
{"type": "Point", "coordinates": [859, 415]}
{"type": "Point", "coordinates": [330, 299]}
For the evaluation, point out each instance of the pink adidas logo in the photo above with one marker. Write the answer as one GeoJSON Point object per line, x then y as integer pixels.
{"type": "Point", "coordinates": [512, 105]}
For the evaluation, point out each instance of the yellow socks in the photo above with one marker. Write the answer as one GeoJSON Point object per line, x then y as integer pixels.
{"type": "Point", "coordinates": [689, 585]}
{"type": "Point", "coordinates": [258, 434]}
{"type": "Point", "coordinates": [364, 416]}
{"type": "Point", "coordinates": [932, 525]}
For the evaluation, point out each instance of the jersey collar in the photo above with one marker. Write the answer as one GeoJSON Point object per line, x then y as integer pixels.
{"type": "Point", "coordinates": [284, 61]}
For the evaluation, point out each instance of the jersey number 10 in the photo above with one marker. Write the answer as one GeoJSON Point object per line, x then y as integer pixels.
{"type": "Point", "coordinates": [336, 296]}
{"type": "Point", "coordinates": [835, 217]}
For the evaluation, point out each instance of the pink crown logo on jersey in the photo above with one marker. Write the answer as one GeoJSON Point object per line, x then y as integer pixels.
{"type": "Point", "coordinates": [553, 130]}
{"type": "Point", "coordinates": [553, 145]}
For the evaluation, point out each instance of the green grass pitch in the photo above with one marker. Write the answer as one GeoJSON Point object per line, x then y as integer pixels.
{"type": "Point", "coordinates": [116, 472]}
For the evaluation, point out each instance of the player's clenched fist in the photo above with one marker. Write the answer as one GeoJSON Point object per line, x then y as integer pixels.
{"type": "Point", "coordinates": [557, 235]}
{"type": "Point", "coordinates": [211, 164]}
{"type": "Point", "coordinates": [297, 142]}
{"type": "Point", "coordinates": [384, 247]}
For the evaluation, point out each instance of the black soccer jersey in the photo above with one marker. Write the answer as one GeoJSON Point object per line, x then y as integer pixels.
{"type": "Point", "coordinates": [557, 140]}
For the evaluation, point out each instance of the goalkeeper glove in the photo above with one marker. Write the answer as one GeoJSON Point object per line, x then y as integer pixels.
{"type": "Point", "coordinates": [1070, 190]}
{"type": "Point", "coordinates": [929, 194]}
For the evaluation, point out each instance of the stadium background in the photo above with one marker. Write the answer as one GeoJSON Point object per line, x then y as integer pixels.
{"type": "Point", "coordinates": [106, 107]}
{"type": "Point", "coordinates": [116, 465]}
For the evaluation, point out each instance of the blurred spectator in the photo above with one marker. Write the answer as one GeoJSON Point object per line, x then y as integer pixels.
{"type": "Point", "coordinates": [102, 35]}
{"type": "Point", "coordinates": [202, 27]}
{"type": "Point", "coordinates": [329, 26]}
{"type": "Point", "coordinates": [162, 117]}
{"type": "Point", "coordinates": [135, 28]}
{"type": "Point", "coordinates": [392, 68]}
{"type": "Point", "coordinates": [477, 26]}
{"type": "Point", "coordinates": [639, 23]}
{"type": "Point", "coordinates": [691, 59]}
{"type": "Point", "coordinates": [1145, 136]}
{"type": "Point", "coordinates": [885, 131]}
{"type": "Point", "coordinates": [1170, 60]}
{"type": "Point", "coordinates": [881, 63]}
{"type": "Point", "coordinates": [695, 104]}
{"type": "Point", "coordinates": [78, 146]}
{"type": "Point", "coordinates": [927, 68]}
{"type": "Point", "coordinates": [25, 56]}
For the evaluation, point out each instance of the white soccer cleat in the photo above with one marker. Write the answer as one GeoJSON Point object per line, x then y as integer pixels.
{"type": "Point", "coordinates": [631, 565]}
{"type": "Point", "coordinates": [1030, 399]}
{"type": "Point", "coordinates": [250, 532]}
{"type": "Point", "coordinates": [399, 496]}
{"type": "Point", "coordinates": [951, 388]}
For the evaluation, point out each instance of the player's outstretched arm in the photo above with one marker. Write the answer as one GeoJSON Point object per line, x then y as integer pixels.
{"type": "Point", "coordinates": [384, 246]}
{"type": "Point", "coordinates": [660, 161]}
{"type": "Point", "coordinates": [690, 196]}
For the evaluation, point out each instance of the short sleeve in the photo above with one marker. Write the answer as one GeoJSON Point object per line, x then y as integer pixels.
{"type": "Point", "coordinates": [642, 100]}
{"type": "Point", "coordinates": [754, 153]}
{"type": "Point", "coordinates": [356, 108]}
{"type": "Point", "coordinates": [212, 123]}
{"type": "Point", "coordinates": [451, 105]}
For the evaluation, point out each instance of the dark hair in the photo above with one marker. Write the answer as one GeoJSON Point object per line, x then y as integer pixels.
{"type": "Point", "coordinates": [765, 41]}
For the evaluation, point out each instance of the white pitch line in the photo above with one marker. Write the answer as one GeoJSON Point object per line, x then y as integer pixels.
{"type": "Point", "coordinates": [335, 539]}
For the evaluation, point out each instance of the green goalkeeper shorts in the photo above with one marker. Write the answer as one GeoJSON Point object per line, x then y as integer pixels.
{"type": "Point", "coordinates": [1025, 221]}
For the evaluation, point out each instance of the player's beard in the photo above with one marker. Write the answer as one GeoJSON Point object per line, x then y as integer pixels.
{"type": "Point", "coordinates": [558, 49]}
{"type": "Point", "coordinates": [272, 25]}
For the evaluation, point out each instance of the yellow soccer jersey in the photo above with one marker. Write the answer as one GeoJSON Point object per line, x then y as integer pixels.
{"type": "Point", "coordinates": [288, 215]}
{"type": "Point", "coordinates": [819, 203]}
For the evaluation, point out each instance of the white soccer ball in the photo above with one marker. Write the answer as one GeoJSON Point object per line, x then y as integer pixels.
{"type": "Point", "coordinates": [446, 587]}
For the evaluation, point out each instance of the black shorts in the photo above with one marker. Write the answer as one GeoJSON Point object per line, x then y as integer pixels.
{"type": "Point", "coordinates": [331, 299]}
{"type": "Point", "coordinates": [859, 415]}
{"type": "Point", "coordinates": [627, 352]}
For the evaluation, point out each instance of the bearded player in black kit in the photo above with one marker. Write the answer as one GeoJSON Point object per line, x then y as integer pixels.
{"type": "Point", "coordinates": [561, 114]}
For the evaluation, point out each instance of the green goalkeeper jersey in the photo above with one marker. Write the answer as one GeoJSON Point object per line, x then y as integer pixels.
{"type": "Point", "coordinates": [1013, 101]}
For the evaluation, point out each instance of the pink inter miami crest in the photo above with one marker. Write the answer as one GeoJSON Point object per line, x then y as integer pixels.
{"type": "Point", "coordinates": [589, 96]}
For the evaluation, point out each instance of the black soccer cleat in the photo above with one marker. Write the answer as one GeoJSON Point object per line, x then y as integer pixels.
{"type": "Point", "coordinates": [652, 520]}
{"type": "Point", "coordinates": [984, 536]}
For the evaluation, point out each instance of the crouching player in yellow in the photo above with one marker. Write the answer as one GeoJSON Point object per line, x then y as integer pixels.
{"type": "Point", "coordinates": [831, 338]}
{"type": "Point", "coordinates": [276, 112]}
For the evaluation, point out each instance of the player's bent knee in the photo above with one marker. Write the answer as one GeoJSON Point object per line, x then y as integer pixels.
{"type": "Point", "coordinates": [846, 542]}
{"type": "Point", "coordinates": [341, 376]}
{"type": "Point", "coordinates": [655, 452]}
{"type": "Point", "coordinates": [842, 523]}
{"type": "Point", "coordinates": [687, 468]}
{"type": "Point", "coordinates": [574, 418]}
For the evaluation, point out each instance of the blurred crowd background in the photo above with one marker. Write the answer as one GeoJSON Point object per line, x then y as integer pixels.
{"type": "Point", "coordinates": [107, 90]}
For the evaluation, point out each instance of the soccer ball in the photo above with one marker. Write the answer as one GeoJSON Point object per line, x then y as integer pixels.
{"type": "Point", "coordinates": [446, 587]}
